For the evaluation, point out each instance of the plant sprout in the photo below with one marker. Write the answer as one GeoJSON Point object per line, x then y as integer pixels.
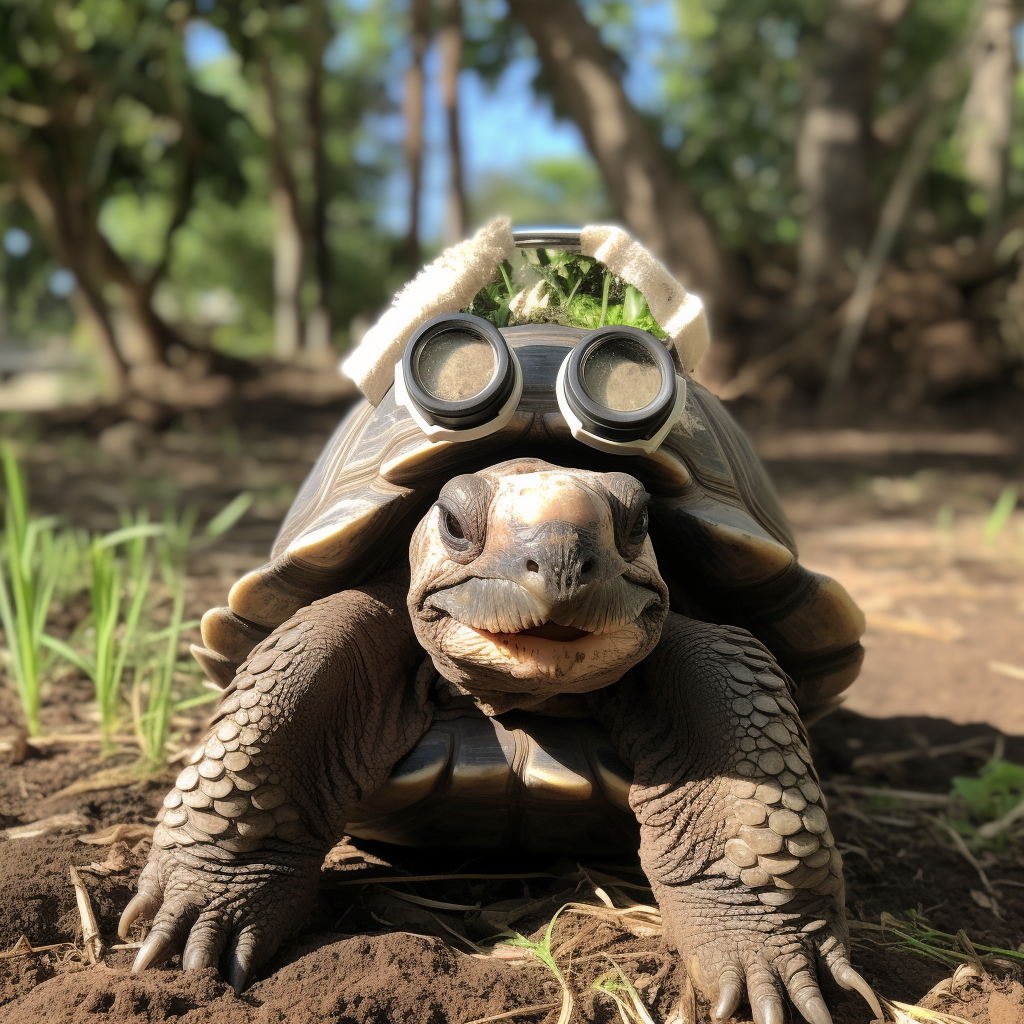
{"type": "Point", "coordinates": [108, 591]}
{"type": "Point", "coordinates": [1000, 514]}
{"type": "Point", "coordinates": [151, 697]}
{"type": "Point", "coordinates": [32, 562]}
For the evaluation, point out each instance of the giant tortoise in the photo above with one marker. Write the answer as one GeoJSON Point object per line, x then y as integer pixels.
{"type": "Point", "coordinates": [464, 638]}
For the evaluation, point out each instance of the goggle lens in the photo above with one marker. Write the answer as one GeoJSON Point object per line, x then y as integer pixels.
{"type": "Point", "coordinates": [454, 366]}
{"type": "Point", "coordinates": [621, 374]}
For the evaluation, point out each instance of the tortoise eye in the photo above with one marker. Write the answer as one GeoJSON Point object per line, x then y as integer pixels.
{"type": "Point", "coordinates": [451, 525]}
{"type": "Point", "coordinates": [462, 517]}
{"type": "Point", "coordinates": [640, 526]}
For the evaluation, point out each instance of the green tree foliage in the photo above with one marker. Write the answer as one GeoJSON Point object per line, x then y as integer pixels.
{"type": "Point", "coordinates": [105, 137]}
{"type": "Point", "coordinates": [734, 86]}
{"type": "Point", "coordinates": [157, 183]}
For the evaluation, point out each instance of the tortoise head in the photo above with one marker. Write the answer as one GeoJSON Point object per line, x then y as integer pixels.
{"type": "Point", "coordinates": [532, 579]}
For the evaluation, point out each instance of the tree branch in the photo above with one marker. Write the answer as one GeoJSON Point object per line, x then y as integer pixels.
{"type": "Point", "coordinates": [637, 170]}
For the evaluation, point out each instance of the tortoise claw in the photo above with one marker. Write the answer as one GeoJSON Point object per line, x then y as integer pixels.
{"type": "Point", "coordinates": [849, 979]}
{"type": "Point", "coordinates": [140, 907]}
{"type": "Point", "coordinates": [763, 995]}
{"type": "Point", "coordinates": [240, 959]}
{"type": "Point", "coordinates": [730, 992]}
{"type": "Point", "coordinates": [156, 948]}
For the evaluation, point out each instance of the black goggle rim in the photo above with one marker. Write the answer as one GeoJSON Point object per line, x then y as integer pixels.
{"type": "Point", "coordinates": [612, 424]}
{"type": "Point", "coordinates": [484, 405]}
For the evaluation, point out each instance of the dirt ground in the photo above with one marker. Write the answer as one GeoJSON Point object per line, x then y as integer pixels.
{"type": "Point", "coordinates": [900, 522]}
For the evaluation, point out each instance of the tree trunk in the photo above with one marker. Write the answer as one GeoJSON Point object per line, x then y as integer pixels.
{"type": "Point", "coordinates": [450, 45]}
{"type": "Point", "coordinates": [414, 102]}
{"type": "Point", "coordinates": [87, 300]}
{"type": "Point", "coordinates": [637, 170]}
{"type": "Point", "coordinates": [988, 107]}
{"type": "Point", "coordinates": [834, 146]}
{"type": "Point", "coordinates": [318, 323]}
{"type": "Point", "coordinates": [288, 241]}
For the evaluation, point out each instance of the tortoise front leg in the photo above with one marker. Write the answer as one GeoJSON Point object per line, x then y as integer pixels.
{"type": "Point", "coordinates": [314, 721]}
{"type": "Point", "coordinates": [734, 837]}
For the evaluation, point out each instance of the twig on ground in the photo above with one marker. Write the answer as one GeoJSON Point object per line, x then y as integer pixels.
{"type": "Point", "coordinates": [992, 828]}
{"type": "Point", "coordinates": [1006, 669]}
{"type": "Point", "coordinates": [961, 846]}
{"type": "Point", "coordinates": [441, 878]}
{"type": "Point", "coordinates": [685, 1011]}
{"type": "Point", "coordinates": [25, 948]}
{"type": "Point", "coordinates": [90, 929]}
{"type": "Point", "coordinates": [904, 1013]}
{"type": "Point", "coordinates": [462, 938]}
{"type": "Point", "coordinates": [522, 1011]}
{"type": "Point", "coordinates": [898, 756]}
{"type": "Point", "coordinates": [424, 902]}
{"type": "Point", "coordinates": [109, 778]}
{"type": "Point", "coordinates": [123, 832]}
{"type": "Point", "coordinates": [909, 795]}
{"type": "Point", "coordinates": [62, 739]}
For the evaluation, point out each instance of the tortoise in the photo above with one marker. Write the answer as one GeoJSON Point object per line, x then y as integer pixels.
{"type": "Point", "coordinates": [469, 642]}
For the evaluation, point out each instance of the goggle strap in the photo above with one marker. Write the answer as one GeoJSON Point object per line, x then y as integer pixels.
{"type": "Point", "coordinates": [680, 313]}
{"type": "Point", "coordinates": [444, 286]}
{"type": "Point", "coordinates": [453, 279]}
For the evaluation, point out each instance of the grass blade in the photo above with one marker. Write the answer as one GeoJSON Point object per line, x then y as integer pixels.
{"type": "Point", "coordinates": [230, 514]}
{"type": "Point", "coordinates": [68, 653]}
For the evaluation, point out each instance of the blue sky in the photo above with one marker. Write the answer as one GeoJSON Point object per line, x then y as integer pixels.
{"type": "Point", "coordinates": [510, 127]}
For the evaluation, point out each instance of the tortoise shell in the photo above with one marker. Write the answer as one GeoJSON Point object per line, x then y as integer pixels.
{"type": "Point", "coordinates": [723, 544]}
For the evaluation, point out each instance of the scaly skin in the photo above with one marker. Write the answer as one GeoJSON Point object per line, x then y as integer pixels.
{"type": "Point", "coordinates": [733, 831]}
{"type": "Point", "coordinates": [528, 582]}
{"type": "Point", "coordinates": [314, 721]}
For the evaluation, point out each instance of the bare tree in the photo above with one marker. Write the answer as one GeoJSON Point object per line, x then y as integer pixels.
{"type": "Point", "coordinates": [414, 104]}
{"type": "Point", "coordinates": [66, 208]}
{"type": "Point", "coordinates": [834, 147]}
{"type": "Point", "coordinates": [288, 240]}
{"type": "Point", "coordinates": [449, 39]}
{"type": "Point", "coordinates": [318, 323]}
{"type": "Point", "coordinates": [988, 107]}
{"type": "Point", "coordinates": [637, 170]}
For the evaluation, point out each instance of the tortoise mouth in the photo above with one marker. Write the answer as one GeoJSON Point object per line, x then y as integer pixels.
{"type": "Point", "coordinates": [554, 631]}
{"type": "Point", "coordinates": [501, 607]}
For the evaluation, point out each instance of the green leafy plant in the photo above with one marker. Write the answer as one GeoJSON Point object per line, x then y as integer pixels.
{"type": "Point", "coordinates": [992, 800]}
{"type": "Point", "coordinates": [623, 993]}
{"type": "Point", "coordinates": [542, 951]}
{"type": "Point", "coordinates": [32, 561]}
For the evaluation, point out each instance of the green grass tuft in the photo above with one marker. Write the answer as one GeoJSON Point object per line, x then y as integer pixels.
{"type": "Point", "coordinates": [31, 562]}
{"type": "Point", "coordinates": [117, 639]}
{"type": "Point", "coordinates": [913, 933]}
{"type": "Point", "coordinates": [580, 292]}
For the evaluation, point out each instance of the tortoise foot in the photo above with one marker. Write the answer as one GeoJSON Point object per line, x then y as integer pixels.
{"type": "Point", "coordinates": [221, 909]}
{"type": "Point", "coordinates": [735, 947]}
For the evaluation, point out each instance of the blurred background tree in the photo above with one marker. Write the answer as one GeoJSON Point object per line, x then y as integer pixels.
{"type": "Point", "coordinates": [187, 187]}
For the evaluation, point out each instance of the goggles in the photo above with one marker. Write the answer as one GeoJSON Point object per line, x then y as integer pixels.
{"type": "Point", "coordinates": [617, 390]}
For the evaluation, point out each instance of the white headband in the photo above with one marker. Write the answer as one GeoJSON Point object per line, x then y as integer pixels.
{"type": "Point", "coordinates": [449, 283]}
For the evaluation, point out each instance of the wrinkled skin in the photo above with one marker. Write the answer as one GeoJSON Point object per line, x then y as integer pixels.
{"type": "Point", "coordinates": [528, 582]}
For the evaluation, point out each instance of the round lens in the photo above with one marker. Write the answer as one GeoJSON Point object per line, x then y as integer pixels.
{"type": "Point", "coordinates": [620, 383]}
{"type": "Point", "coordinates": [621, 374]}
{"type": "Point", "coordinates": [454, 366]}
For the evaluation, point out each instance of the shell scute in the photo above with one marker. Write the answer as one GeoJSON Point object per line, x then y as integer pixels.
{"type": "Point", "coordinates": [722, 539]}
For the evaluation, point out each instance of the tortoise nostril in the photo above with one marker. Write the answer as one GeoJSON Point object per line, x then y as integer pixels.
{"type": "Point", "coordinates": [531, 566]}
{"type": "Point", "coordinates": [587, 566]}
